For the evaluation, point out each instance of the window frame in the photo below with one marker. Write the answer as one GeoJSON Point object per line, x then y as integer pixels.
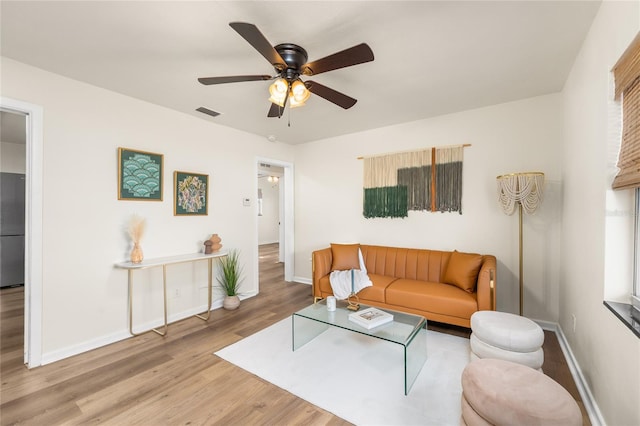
{"type": "Point", "coordinates": [636, 245]}
{"type": "Point", "coordinates": [627, 312]}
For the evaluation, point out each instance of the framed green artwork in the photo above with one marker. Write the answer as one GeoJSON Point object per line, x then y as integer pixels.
{"type": "Point", "coordinates": [139, 175]}
{"type": "Point", "coordinates": [190, 194]}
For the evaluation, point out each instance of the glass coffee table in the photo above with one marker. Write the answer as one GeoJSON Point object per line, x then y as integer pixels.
{"type": "Point", "coordinates": [407, 330]}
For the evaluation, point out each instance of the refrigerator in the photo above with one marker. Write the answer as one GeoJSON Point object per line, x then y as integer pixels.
{"type": "Point", "coordinates": [12, 218]}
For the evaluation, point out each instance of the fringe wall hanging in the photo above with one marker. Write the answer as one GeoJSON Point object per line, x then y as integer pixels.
{"type": "Point", "coordinates": [426, 180]}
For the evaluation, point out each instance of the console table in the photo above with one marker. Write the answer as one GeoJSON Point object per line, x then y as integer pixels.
{"type": "Point", "coordinates": [164, 262]}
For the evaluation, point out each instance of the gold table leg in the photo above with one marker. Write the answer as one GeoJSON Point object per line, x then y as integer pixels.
{"type": "Point", "coordinates": [209, 289]}
{"type": "Point", "coordinates": [164, 296]}
{"type": "Point", "coordinates": [164, 293]}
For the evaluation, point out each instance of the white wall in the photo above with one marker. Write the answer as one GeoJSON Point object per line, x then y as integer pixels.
{"type": "Point", "coordinates": [268, 223]}
{"type": "Point", "coordinates": [505, 138]}
{"type": "Point", "coordinates": [595, 261]}
{"type": "Point", "coordinates": [84, 296]}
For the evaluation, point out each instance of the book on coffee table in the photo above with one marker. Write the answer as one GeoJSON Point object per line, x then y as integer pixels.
{"type": "Point", "coordinates": [370, 317]}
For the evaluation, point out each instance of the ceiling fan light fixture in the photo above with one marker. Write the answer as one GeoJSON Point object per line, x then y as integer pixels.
{"type": "Point", "coordinates": [299, 94]}
{"type": "Point", "coordinates": [289, 62]}
{"type": "Point", "coordinates": [293, 103]}
{"type": "Point", "coordinates": [278, 91]}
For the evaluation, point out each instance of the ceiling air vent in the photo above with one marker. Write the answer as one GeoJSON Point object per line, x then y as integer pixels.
{"type": "Point", "coordinates": [208, 111]}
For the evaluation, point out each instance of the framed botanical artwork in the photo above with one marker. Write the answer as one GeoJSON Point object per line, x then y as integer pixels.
{"type": "Point", "coordinates": [190, 194]}
{"type": "Point", "coordinates": [139, 175]}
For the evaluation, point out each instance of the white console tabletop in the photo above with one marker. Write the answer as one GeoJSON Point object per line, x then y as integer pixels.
{"type": "Point", "coordinates": [164, 261]}
{"type": "Point", "coordinates": [160, 261]}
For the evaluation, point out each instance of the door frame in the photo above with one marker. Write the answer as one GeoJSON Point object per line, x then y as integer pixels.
{"type": "Point", "coordinates": [33, 227]}
{"type": "Point", "coordinates": [287, 229]}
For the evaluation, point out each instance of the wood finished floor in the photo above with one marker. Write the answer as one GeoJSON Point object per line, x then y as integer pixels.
{"type": "Point", "coordinates": [176, 379]}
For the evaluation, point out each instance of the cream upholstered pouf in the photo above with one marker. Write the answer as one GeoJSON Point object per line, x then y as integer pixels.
{"type": "Point", "coordinates": [498, 392]}
{"type": "Point", "coordinates": [506, 336]}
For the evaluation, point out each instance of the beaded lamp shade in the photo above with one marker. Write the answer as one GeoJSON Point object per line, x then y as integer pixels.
{"type": "Point", "coordinates": [523, 190]}
{"type": "Point", "coordinates": [520, 188]}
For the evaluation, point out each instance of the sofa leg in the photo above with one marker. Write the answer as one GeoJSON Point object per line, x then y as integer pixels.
{"type": "Point", "coordinates": [316, 299]}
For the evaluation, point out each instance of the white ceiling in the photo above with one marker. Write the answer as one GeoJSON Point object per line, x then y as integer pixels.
{"type": "Point", "coordinates": [431, 57]}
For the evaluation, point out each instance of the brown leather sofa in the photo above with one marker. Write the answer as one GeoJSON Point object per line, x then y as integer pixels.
{"type": "Point", "coordinates": [442, 286]}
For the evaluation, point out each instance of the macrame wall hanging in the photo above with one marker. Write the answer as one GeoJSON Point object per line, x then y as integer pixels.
{"type": "Point", "coordinates": [426, 180]}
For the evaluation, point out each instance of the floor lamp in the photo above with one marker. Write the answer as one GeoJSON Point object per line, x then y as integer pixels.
{"type": "Point", "coordinates": [525, 191]}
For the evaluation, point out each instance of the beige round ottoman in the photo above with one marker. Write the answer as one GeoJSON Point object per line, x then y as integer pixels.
{"type": "Point", "coordinates": [498, 392]}
{"type": "Point", "coordinates": [506, 336]}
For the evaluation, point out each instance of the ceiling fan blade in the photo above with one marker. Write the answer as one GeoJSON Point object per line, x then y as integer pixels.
{"type": "Point", "coordinates": [232, 79]}
{"type": "Point", "coordinates": [352, 56]}
{"type": "Point", "coordinates": [331, 95]}
{"type": "Point", "coordinates": [275, 111]}
{"type": "Point", "coordinates": [255, 38]}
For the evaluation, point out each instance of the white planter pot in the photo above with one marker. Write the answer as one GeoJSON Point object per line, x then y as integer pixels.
{"type": "Point", "coordinates": [231, 302]}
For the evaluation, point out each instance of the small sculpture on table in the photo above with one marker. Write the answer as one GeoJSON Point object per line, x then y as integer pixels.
{"type": "Point", "coordinates": [212, 244]}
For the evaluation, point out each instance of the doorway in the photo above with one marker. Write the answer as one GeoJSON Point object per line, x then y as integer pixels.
{"type": "Point", "coordinates": [274, 214]}
{"type": "Point", "coordinates": [32, 289]}
{"type": "Point", "coordinates": [13, 154]}
{"type": "Point", "coordinates": [269, 222]}
{"type": "Point", "coordinates": [270, 204]}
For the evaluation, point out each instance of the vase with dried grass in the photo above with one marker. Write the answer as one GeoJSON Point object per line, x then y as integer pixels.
{"type": "Point", "coordinates": [137, 226]}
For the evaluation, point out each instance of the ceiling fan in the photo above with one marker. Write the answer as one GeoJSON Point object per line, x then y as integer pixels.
{"type": "Point", "coordinates": [290, 63]}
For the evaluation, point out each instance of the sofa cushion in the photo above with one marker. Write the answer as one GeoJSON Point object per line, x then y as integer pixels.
{"type": "Point", "coordinates": [431, 297]}
{"type": "Point", "coordinates": [462, 270]}
{"type": "Point", "coordinates": [374, 293]}
{"type": "Point", "coordinates": [377, 292]}
{"type": "Point", "coordinates": [344, 257]}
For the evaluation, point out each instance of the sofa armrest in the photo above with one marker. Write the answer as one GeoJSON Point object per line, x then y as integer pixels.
{"type": "Point", "coordinates": [486, 288]}
{"type": "Point", "coordinates": [320, 266]}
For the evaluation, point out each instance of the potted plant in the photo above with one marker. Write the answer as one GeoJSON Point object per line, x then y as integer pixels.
{"type": "Point", "coordinates": [230, 279]}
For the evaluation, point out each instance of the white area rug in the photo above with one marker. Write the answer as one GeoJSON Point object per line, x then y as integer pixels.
{"type": "Point", "coordinates": [356, 377]}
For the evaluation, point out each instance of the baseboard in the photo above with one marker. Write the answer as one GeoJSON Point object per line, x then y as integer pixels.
{"type": "Point", "coordinates": [302, 280]}
{"type": "Point", "coordinates": [590, 405]}
{"type": "Point", "coordinates": [69, 351]}
{"type": "Point", "coordinates": [547, 325]}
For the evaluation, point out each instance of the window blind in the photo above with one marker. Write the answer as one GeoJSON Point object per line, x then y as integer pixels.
{"type": "Point", "coordinates": [627, 77]}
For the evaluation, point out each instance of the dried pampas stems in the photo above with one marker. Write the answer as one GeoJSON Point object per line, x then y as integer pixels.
{"type": "Point", "coordinates": [137, 225]}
